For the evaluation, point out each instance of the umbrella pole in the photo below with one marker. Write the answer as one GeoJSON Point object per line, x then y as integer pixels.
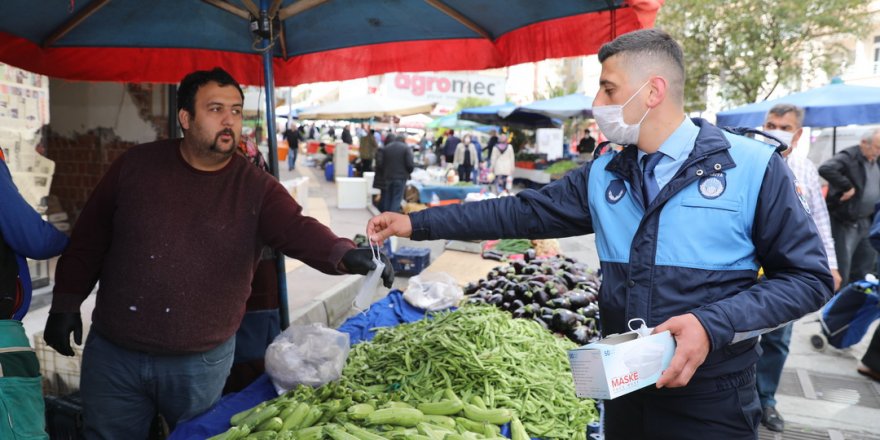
{"type": "Point", "coordinates": [834, 140]}
{"type": "Point", "coordinates": [273, 163]}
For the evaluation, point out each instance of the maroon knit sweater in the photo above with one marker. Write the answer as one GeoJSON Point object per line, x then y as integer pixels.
{"type": "Point", "coordinates": [175, 248]}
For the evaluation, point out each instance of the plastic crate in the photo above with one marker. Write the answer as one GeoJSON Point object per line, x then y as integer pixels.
{"type": "Point", "coordinates": [60, 373]}
{"type": "Point", "coordinates": [64, 417]}
{"type": "Point", "coordinates": [409, 261]}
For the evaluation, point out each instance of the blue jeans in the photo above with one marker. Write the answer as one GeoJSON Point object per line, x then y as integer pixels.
{"type": "Point", "coordinates": [291, 157]}
{"type": "Point", "coordinates": [122, 390]}
{"type": "Point", "coordinates": [775, 350]}
{"type": "Point", "coordinates": [394, 192]}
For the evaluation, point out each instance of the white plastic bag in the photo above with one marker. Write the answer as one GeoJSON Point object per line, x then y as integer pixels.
{"type": "Point", "coordinates": [306, 354]}
{"type": "Point", "coordinates": [371, 284]}
{"type": "Point", "coordinates": [433, 291]}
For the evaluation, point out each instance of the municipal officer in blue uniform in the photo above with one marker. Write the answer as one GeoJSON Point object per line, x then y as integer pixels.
{"type": "Point", "coordinates": [684, 216]}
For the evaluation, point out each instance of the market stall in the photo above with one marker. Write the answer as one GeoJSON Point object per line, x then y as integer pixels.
{"type": "Point", "coordinates": [473, 369]}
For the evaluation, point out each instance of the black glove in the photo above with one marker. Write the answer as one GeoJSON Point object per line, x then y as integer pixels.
{"type": "Point", "coordinates": [58, 330]}
{"type": "Point", "coordinates": [360, 261]}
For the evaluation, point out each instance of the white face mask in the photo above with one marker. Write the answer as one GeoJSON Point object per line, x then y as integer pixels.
{"type": "Point", "coordinates": [609, 118]}
{"type": "Point", "coordinates": [784, 136]}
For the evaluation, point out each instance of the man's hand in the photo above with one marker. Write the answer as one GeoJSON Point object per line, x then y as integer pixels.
{"type": "Point", "coordinates": [387, 224]}
{"type": "Point", "coordinates": [692, 347]}
{"type": "Point", "coordinates": [848, 195]}
{"type": "Point", "coordinates": [836, 275]}
{"type": "Point", "coordinates": [360, 261]}
{"type": "Point", "coordinates": [58, 330]}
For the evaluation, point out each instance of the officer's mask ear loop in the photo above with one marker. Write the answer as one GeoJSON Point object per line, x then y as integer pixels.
{"type": "Point", "coordinates": [643, 330]}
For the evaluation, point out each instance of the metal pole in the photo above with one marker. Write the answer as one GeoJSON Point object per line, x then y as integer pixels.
{"type": "Point", "coordinates": [273, 156]}
{"type": "Point", "coordinates": [834, 141]}
{"type": "Point", "coordinates": [173, 127]}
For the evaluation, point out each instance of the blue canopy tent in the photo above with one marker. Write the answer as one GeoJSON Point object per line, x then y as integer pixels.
{"type": "Point", "coordinates": [563, 107]}
{"type": "Point", "coordinates": [834, 105]}
{"type": "Point", "coordinates": [452, 121]}
{"type": "Point", "coordinates": [493, 115]}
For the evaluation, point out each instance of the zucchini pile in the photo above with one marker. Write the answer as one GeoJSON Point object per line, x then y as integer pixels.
{"type": "Point", "coordinates": [558, 293]}
{"type": "Point", "coordinates": [335, 412]}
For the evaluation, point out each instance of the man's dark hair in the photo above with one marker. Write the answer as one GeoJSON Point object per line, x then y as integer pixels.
{"type": "Point", "coordinates": [781, 109]}
{"type": "Point", "coordinates": [190, 84]}
{"type": "Point", "coordinates": [650, 46]}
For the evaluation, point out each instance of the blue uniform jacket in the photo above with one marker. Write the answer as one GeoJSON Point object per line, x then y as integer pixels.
{"type": "Point", "coordinates": [25, 232]}
{"type": "Point", "coordinates": [731, 208]}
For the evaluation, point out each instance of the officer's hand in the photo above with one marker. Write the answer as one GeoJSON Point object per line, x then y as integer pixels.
{"type": "Point", "coordinates": [387, 224]}
{"type": "Point", "coordinates": [692, 347]}
{"type": "Point", "coordinates": [360, 261]}
{"type": "Point", "coordinates": [58, 330]}
{"type": "Point", "coordinates": [848, 195]}
{"type": "Point", "coordinates": [837, 279]}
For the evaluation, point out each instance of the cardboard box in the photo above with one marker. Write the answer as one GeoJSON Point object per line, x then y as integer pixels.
{"type": "Point", "coordinates": [620, 364]}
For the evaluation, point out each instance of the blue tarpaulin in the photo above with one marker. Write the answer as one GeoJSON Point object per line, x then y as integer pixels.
{"type": "Point", "coordinates": [493, 115]}
{"type": "Point", "coordinates": [563, 107]}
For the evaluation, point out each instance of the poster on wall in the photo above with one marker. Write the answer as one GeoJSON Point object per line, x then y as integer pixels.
{"type": "Point", "coordinates": [24, 110]}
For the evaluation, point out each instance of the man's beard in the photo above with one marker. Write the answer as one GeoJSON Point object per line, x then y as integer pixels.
{"type": "Point", "coordinates": [215, 147]}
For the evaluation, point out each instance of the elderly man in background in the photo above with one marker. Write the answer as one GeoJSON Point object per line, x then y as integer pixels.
{"type": "Point", "coordinates": [853, 189]}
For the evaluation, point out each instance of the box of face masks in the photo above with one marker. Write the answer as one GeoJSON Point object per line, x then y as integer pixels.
{"type": "Point", "coordinates": [620, 364]}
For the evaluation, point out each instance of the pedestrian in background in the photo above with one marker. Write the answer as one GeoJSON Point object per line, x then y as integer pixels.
{"type": "Point", "coordinates": [452, 141]}
{"type": "Point", "coordinates": [785, 122]}
{"type": "Point", "coordinates": [293, 137]}
{"type": "Point", "coordinates": [464, 158]}
{"type": "Point", "coordinates": [396, 161]}
{"type": "Point", "coordinates": [853, 177]}
{"type": "Point", "coordinates": [503, 162]}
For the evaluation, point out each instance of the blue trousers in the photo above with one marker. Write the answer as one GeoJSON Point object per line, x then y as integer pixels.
{"type": "Point", "coordinates": [719, 408]}
{"type": "Point", "coordinates": [775, 350]}
{"type": "Point", "coordinates": [291, 157]}
{"type": "Point", "coordinates": [394, 193]}
{"type": "Point", "coordinates": [122, 390]}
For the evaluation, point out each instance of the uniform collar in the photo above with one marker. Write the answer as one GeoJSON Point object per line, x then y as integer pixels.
{"type": "Point", "coordinates": [679, 143]}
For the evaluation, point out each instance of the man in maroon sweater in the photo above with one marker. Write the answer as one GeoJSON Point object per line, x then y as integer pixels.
{"type": "Point", "coordinates": [174, 232]}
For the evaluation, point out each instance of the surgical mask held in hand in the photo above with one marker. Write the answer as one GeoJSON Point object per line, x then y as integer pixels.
{"type": "Point", "coordinates": [609, 118]}
{"type": "Point", "coordinates": [372, 281]}
{"type": "Point", "coordinates": [621, 364]}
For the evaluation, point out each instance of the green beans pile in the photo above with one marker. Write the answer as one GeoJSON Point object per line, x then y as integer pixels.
{"type": "Point", "coordinates": [477, 350]}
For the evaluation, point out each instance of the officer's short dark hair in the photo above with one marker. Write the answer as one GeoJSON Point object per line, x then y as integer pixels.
{"type": "Point", "coordinates": [780, 110]}
{"type": "Point", "coordinates": [647, 46]}
{"type": "Point", "coordinates": [191, 83]}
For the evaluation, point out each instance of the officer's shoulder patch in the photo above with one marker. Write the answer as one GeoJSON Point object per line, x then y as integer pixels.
{"type": "Point", "coordinates": [615, 191]}
{"type": "Point", "coordinates": [800, 193]}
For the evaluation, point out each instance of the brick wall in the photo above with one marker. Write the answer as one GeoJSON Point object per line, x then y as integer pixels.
{"type": "Point", "coordinates": [81, 160]}
{"type": "Point", "coordinates": [80, 163]}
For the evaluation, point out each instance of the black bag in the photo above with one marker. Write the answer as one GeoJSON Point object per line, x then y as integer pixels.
{"type": "Point", "coordinates": [64, 417]}
{"type": "Point", "coordinates": [9, 294]}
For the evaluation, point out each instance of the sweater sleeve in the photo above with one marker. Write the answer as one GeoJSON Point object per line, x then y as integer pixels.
{"type": "Point", "coordinates": [22, 228]}
{"type": "Point", "coordinates": [284, 227]}
{"type": "Point", "coordinates": [80, 265]}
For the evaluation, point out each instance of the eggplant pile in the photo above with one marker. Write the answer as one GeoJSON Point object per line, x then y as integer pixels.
{"type": "Point", "coordinates": [557, 292]}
